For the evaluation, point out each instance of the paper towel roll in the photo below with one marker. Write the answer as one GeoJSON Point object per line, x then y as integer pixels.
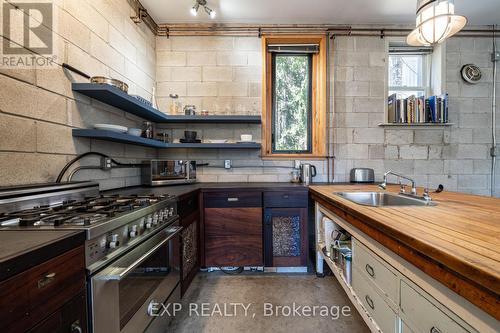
{"type": "Point", "coordinates": [328, 227]}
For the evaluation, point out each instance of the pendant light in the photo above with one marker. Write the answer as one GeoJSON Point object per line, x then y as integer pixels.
{"type": "Point", "coordinates": [436, 21]}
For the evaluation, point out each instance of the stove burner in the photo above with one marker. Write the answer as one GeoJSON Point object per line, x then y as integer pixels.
{"type": "Point", "coordinates": [80, 213]}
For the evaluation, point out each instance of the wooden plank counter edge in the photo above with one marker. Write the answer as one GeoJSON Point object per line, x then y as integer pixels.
{"type": "Point", "coordinates": [475, 285]}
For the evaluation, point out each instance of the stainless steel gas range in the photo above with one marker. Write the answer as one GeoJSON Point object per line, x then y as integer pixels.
{"type": "Point", "coordinates": [132, 247]}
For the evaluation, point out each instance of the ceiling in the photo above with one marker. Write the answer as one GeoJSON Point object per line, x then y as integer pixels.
{"type": "Point", "coordinates": [479, 12]}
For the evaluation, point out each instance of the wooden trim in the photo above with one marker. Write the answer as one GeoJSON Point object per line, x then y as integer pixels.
{"type": "Point", "coordinates": [319, 93]}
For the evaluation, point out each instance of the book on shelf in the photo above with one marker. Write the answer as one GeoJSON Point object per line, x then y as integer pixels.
{"type": "Point", "coordinates": [415, 109]}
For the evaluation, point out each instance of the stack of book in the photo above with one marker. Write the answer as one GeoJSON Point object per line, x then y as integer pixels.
{"type": "Point", "coordinates": [418, 109]}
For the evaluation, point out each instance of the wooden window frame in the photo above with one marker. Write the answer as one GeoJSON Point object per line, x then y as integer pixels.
{"type": "Point", "coordinates": [319, 102]}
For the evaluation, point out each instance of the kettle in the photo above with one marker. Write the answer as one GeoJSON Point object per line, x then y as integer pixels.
{"type": "Point", "coordinates": [307, 172]}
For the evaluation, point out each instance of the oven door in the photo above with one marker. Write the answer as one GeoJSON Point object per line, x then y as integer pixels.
{"type": "Point", "coordinates": [123, 292]}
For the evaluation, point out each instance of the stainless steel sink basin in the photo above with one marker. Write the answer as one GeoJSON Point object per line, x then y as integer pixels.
{"type": "Point", "coordinates": [382, 199]}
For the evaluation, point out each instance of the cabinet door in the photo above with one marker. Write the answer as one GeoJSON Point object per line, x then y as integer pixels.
{"type": "Point", "coordinates": [72, 317]}
{"type": "Point", "coordinates": [285, 237]}
{"type": "Point", "coordinates": [233, 236]}
{"type": "Point", "coordinates": [190, 249]}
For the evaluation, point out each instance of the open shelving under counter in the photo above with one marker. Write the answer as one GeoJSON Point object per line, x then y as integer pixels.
{"type": "Point", "coordinates": [140, 141]}
{"type": "Point", "coordinates": [115, 97]}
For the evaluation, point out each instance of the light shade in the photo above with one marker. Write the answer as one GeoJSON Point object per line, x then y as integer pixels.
{"type": "Point", "coordinates": [436, 21]}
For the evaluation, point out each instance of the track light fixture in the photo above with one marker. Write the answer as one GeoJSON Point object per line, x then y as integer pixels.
{"type": "Point", "coordinates": [202, 3]}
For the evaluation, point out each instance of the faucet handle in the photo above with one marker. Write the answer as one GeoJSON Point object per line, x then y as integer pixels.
{"type": "Point", "coordinates": [426, 194]}
{"type": "Point", "coordinates": [402, 188]}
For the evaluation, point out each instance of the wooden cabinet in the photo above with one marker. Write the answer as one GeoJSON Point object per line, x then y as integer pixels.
{"type": "Point", "coordinates": [233, 228]}
{"type": "Point", "coordinates": [285, 237]}
{"type": "Point", "coordinates": [285, 228]}
{"type": "Point", "coordinates": [29, 297]}
{"type": "Point", "coordinates": [189, 215]}
{"type": "Point", "coordinates": [71, 318]}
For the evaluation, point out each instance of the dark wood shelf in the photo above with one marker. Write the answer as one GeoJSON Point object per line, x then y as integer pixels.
{"type": "Point", "coordinates": [115, 97]}
{"type": "Point", "coordinates": [214, 119]}
{"type": "Point", "coordinates": [140, 141]}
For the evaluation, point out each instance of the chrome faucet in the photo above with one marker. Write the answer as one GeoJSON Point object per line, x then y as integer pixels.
{"type": "Point", "coordinates": [402, 190]}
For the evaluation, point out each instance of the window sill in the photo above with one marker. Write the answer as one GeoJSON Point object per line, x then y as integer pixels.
{"type": "Point", "coordinates": [416, 125]}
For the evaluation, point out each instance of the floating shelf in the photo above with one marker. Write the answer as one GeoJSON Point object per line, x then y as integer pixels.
{"type": "Point", "coordinates": [115, 97]}
{"type": "Point", "coordinates": [140, 141]}
{"type": "Point", "coordinates": [413, 125]}
{"type": "Point", "coordinates": [214, 119]}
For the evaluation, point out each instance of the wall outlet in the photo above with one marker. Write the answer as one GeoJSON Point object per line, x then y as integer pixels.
{"type": "Point", "coordinates": [296, 164]}
{"type": "Point", "coordinates": [106, 163]}
{"type": "Point", "coordinates": [227, 164]}
{"type": "Point", "coordinates": [495, 56]}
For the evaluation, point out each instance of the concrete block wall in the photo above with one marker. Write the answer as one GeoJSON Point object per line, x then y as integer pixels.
{"type": "Point", "coordinates": [224, 76]}
{"type": "Point", "coordinates": [456, 156]}
{"type": "Point", "coordinates": [38, 110]}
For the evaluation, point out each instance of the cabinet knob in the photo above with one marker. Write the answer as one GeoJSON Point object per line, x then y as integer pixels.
{"type": "Point", "coordinates": [75, 327]}
{"type": "Point", "coordinates": [370, 303]}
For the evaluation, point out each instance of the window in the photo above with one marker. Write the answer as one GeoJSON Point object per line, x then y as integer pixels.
{"type": "Point", "coordinates": [409, 71]}
{"type": "Point", "coordinates": [291, 114]}
{"type": "Point", "coordinates": [294, 97]}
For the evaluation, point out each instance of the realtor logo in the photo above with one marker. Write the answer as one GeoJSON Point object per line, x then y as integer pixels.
{"type": "Point", "coordinates": [27, 28]}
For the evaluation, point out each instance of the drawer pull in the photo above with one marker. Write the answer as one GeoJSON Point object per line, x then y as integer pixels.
{"type": "Point", "coordinates": [435, 330]}
{"type": "Point", "coordinates": [286, 196]}
{"type": "Point", "coordinates": [47, 279]}
{"type": "Point", "coordinates": [369, 301]}
{"type": "Point", "coordinates": [369, 269]}
{"type": "Point", "coordinates": [232, 199]}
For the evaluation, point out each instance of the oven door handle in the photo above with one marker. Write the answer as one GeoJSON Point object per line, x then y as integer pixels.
{"type": "Point", "coordinates": [119, 273]}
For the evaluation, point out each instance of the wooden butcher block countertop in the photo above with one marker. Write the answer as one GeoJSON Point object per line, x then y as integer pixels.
{"type": "Point", "coordinates": [461, 234]}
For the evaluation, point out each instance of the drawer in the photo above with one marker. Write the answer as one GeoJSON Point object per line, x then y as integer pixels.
{"type": "Point", "coordinates": [57, 281]}
{"type": "Point", "coordinates": [381, 312]}
{"type": "Point", "coordinates": [376, 271]}
{"type": "Point", "coordinates": [425, 316]}
{"type": "Point", "coordinates": [188, 205]}
{"type": "Point", "coordinates": [27, 298]}
{"type": "Point", "coordinates": [232, 199]}
{"type": "Point", "coordinates": [405, 328]}
{"type": "Point", "coordinates": [286, 199]}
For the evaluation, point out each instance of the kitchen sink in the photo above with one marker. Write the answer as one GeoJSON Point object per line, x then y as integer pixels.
{"type": "Point", "coordinates": [383, 199]}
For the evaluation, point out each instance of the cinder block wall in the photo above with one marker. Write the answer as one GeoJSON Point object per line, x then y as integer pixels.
{"type": "Point", "coordinates": [457, 156]}
{"type": "Point", "coordinates": [38, 109]}
{"type": "Point", "coordinates": [224, 76]}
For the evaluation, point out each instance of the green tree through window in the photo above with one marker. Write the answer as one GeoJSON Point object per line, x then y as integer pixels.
{"type": "Point", "coordinates": [292, 103]}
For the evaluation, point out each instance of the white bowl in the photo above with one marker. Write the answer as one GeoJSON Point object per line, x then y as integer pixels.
{"type": "Point", "coordinates": [246, 137]}
{"type": "Point", "coordinates": [135, 131]}
{"type": "Point", "coordinates": [111, 127]}
{"type": "Point", "coordinates": [218, 141]}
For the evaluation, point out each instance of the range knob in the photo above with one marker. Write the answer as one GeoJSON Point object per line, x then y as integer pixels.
{"type": "Point", "coordinates": [133, 231]}
{"type": "Point", "coordinates": [148, 225]}
{"type": "Point", "coordinates": [171, 211]}
{"type": "Point", "coordinates": [113, 242]}
{"type": "Point", "coordinates": [155, 218]}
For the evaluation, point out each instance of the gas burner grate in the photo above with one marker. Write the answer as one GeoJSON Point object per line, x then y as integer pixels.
{"type": "Point", "coordinates": [80, 213]}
